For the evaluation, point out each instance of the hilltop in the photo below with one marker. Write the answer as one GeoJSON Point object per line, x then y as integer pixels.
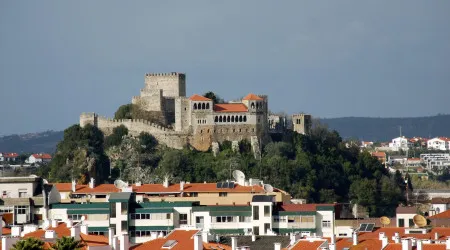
{"type": "Point", "coordinates": [364, 128]}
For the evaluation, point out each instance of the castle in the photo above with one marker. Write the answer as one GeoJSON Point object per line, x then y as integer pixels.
{"type": "Point", "coordinates": [195, 120]}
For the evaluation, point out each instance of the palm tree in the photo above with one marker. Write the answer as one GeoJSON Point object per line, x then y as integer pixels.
{"type": "Point", "coordinates": [29, 244]}
{"type": "Point", "coordinates": [67, 243]}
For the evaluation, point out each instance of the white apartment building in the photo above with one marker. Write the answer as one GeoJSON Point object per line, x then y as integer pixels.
{"type": "Point", "coordinates": [439, 143]}
{"type": "Point", "coordinates": [399, 143]}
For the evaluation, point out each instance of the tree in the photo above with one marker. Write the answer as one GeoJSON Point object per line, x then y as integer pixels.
{"type": "Point", "coordinates": [67, 243]}
{"type": "Point", "coordinates": [29, 244]}
{"type": "Point", "coordinates": [215, 98]}
{"type": "Point", "coordinates": [116, 137]}
{"type": "Point", "coordinates": [124, 112]}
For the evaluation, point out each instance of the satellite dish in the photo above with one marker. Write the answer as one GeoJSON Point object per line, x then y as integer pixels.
{"type": "Point", "coordinates": [120, 184]}
{"type": "Point", "coordinates": [45, 181]}
{"type": "Point", "coordinates": [419, 220]}
{"type": "Point", "coordinates": [385, 221]}
{"type": "Point", "coordinates": [238, 175]}
{"type": "Point", "coordinates": [268, 188]}
{"type": "Point", "coordinates": [83, 218]}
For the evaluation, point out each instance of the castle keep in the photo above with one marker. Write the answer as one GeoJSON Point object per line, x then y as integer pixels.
{"type": "Point", "coordinates": [195, 120]}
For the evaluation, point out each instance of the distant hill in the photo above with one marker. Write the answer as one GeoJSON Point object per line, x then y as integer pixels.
{"type": "Point", "coordinates": [384, 129]}
{"type": "Point", "coordinates": [31, 143]}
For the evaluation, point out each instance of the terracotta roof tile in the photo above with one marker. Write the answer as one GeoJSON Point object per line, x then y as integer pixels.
{"type": "Point", "coordinates": [440, 200]}
{"type": "Point", "coordinates": [443, 215]}
{"type": "Point", "coordinates": [100, 189]}
{"type": "Point", "coordinates": [42, 156]}
{"type": "Point", "coordinates": [196, 97]}
{"type": "Point", "coordinates": [308, 245]}
{"type": "Point", "coordinates": [67, 187]}
{"type": "Point", "coordinates": [252, 97]}
{"type": "Point", "coordinates": [184, 238]}
{"type": "Point", "coordinates": [230, 107]}
{"type": "Point", "coordinates": [195, 187]}
{"type": "Point", "coordinates": [301, 207]}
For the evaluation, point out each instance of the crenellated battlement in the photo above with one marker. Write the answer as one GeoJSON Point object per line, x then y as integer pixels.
{"type": "Point", "coordinates": [164, 74]}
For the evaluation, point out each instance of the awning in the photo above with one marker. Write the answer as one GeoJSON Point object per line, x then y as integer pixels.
{"type": "Point", "coordinates": [227, 231]}
{"type": "Point", "coordinates": [97, 229]}
{"type": "Point", "coordinates": [154, 211]}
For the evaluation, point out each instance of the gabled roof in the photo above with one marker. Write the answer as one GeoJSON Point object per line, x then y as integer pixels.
{"type": "Point", "coordinates": [196, 97]}
{"type": "Point", "coordinates": [230, 107]}
{"type": "Point", "coordinates": [10, 155]}
{"type": "Point", "coordinates": [42, 156]}
{"type": "Point", "coordinates": [379, 154]}
{"type": "Point", "coordinates": [184, 238]}
{"type": "Point", "coordinates": [62, 230]}
{"type": "Point", "coordinates": [443, 215]}
{"type": "Point", "coordinates": [252, 97]}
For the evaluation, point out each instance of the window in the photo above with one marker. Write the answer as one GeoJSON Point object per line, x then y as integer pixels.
{"type": "Point", "coordinates": [183, 219]}
{"type": "Point", "coordinates": [266, 227]}
{"type": "Point", "coordinates": [244, 219]}
{"type": "Point", "coordinates": [266, 211]}
{"type": "Point", "coordinates": [195, 105]}
{"type": "Point", "coordinates": [194, 194]}
{"type": "Point", "coordinates": [100, 196]}
{"type": "Point", "coordinates": [279, 218]}
{"type": "Point", "coordinates": [168, 216]}
{"type": "Point", "coordinates": [224, 219]}
{"type": "Point", "coordinates": [23, 193]}
{"type": "Point", "coordinates": [401, 222]}
{"type": "Point", "coordinates": [21, 209]}
{"type": "Point", "coordinates": [124, 208]}
{"type": "Point", "coordinates": [124, 226]}
{"type": "Point", "coordinates": [411, 222]}
{"type": "Point", "coordinates": [113, 210]}
{"type": "Point", "coordinates": [326, 223]}
{"type": "Point", "coordinates": [307, 219]}
{"type": "Point", "coordinates": [74, 216]}
{"type": "Point", "coordinates": [255, 213]}
{"type": "Point", "coordinates": [223, 194]}
{"type": "Point", "coordinates": [256, 230]}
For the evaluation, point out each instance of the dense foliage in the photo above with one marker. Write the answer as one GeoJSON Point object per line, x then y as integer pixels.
{"type": "Point", "coordinates": [318, 167]}
{"type": "Point", "coordinates": [28, 244]}
{"type": "Point", "coordinates": [67, 243]}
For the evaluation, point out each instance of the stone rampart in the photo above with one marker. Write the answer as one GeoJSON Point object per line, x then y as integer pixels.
{"type": "Point", "coordinates": [164, 135]}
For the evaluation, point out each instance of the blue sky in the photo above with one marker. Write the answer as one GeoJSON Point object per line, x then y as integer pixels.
{"type": "Point", "coordinates": [327, 58]}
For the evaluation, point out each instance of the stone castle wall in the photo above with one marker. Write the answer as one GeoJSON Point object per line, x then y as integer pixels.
{"type": "Point", "coordinates": [164, 135]}
{"type": "Point", "coordinates": [172, 84]}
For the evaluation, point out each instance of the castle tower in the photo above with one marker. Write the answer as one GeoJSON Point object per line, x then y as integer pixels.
{"type": "Point", "coordinates": [88, 118]}
{"type": "Point", "coordinates": [301, 123]}
{"type": "Point", "coordinates": [172, 84]}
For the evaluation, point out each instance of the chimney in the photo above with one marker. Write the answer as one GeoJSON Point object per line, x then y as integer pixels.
{"type": "Point", "coordinates": [381, 235]}
{"type": "Point", "coordinates": [419, 244]}
{"type": "Point", "coordinates": [92, 183]}
{"type": "Point", "coordinates": [138, 184]}
{"type": "Point", "coordinates": [205, 236]}
{"type": "Point", "coordinates": [74, 186]}
{"type": "Point", "coordinates": [75, 232]}
{"type": "Point", "coordinates": [355, 238]}
{"type": "Point", "coordinates": [110, 235]}
{"type": "Point", "coordinates": [1, 225]}
{"type": "Point", "coordinates": [84, 229]}
{"type": "Point", "coordinates": [333, 238]}
{"type": "Point", "coordinates": [114, 244]}
{"type": "Point", "coordinates": [182, 186]}
{"type": "Point", "coordinates": [384, 242]}
{"type": "Point", "coordinates": [15, 231]}
{"type": "Point", "coordinates": [447, 243]}
{"type": "Point", "coordinates": [69, 223]}
{"type": "Point", "coordinates": [166, 182]}
{"type": "Point", "coordinates": [8, 242]}
{"type": "Point", "coordinates": [54, 223]}
{"type": "Point", "coordinates": [198, 243]}
{"type": "Point", "coordinates": [253, 238]}
{"type": "Point", "coordinates": [436, 236]}
{"type": "Point", "coordinates": [396, 239]}
{"type": "Point", "coordinates": [50, 234]}
{"type": "Point", "coordinates": [124, 241]}
{"type": "Point", "coordinates": [277, 246]}
{"type": "Point", "coordinates": [406, 244]}
{"type": "Point", "coordinates": [234, 243]}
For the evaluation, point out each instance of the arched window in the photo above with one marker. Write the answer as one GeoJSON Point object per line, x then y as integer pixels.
{"type": "Point", "coordinates": [220, 118]}
{"type": "Point", "coordinates": [203, 106]}
{"type": "Point", "coordinates": [236, 119]}
{"type": "Point", "coordinates": [207, 105]}
{"type": "Point", "coordinates": [195, 105]}
{"type": "Point", "coordinates": [216, 119]}
{"type": "Point", "coordinates": [257, 105]}
{"type": "Point", "coordinates": [228, 118]}
{"type": "Point", "coordinates": [245, 118]}
{"type": "Point", "coordinates": [232, 118]}
{"type": "Point", "coordinates": [252, 105]}
{"type": "Point", "coordinates": [240, 118]}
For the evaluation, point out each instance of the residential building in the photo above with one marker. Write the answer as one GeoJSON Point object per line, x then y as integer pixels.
{"type": "Point", "coordinates": [399, 143]}
{"type": "Point", "coordinates": [439, 205]}
{"type": "Point", "coordinates": [413, 162]}
{"type": "Point", "coordinates": [366, 144]}
{"type": "Point", "coordinates": [439, 143]}
{"type": "Point", "coordinates": [381, 156]}
{"type": "Point", "coordinates": [39, 158]}
{"type": "Point", "coordinates": [9, 156]}
{"type": "Point", "coordinates": [405, 216]}
{"type": "Point", "coordinates": [397, 159]}
{"type": "Point", "coordinates": [435, 162]}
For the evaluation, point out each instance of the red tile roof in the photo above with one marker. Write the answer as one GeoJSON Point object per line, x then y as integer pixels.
{"type": "Point", "coordinates": [379, 154]}
{"type": "Point", "coordinates": [252, 97]}
{"type": "Point", "coordinates": [196, 97]}
{"type": "Point", "coordinates": [443, 215]}
{"type": "Point", "coordinates": [306, 244]}
{"type": "Point", "coordinates": [10, 155]}
{"type": "Point", "coordinates": [230, 107]}
{"type": "Point", "coordinates": [100, 189]}
{"type": "Point", "coordinates": [62, 230]}
{"type": "Point", "coordinates": [67, 187]}
{"type": "Point", "coordinates": [42, 156]}
{"type": "Point", "coordinates": [440, 200]}
{"type": "Point", "coordinates": [184, 238]}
